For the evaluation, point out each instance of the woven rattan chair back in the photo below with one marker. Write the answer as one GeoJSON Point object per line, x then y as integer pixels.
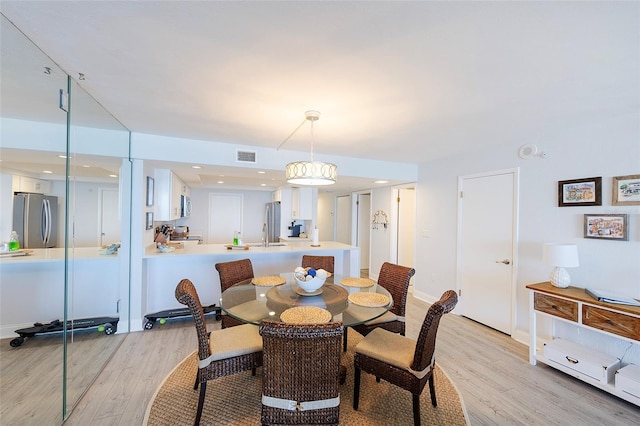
{"type": "Point", "coordinates": [187, 295]}
{"type": "Point", "coordinates": [234, 272]}
{"type": "Point", "coordinates": [395, 278]}
{"type": "Point", "coordinates": [423, 358]}
{"type": "Point", "coordinates": [318, 262]}
{"type": "Point", "coordinates": [426, 343]}
{"type": "Point", "coordinates": [301, 364]}
{"type": "Point", "coordinates": [246, 356]}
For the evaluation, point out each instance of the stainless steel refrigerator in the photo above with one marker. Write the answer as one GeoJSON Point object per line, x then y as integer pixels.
{"type": "Point", "coordinates": [35, 219]}
{"type": "Point", "coordinates": [272, 221]}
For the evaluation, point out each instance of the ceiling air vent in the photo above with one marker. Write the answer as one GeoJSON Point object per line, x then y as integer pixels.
{"type": "Point", "coordinates": [245, 156]}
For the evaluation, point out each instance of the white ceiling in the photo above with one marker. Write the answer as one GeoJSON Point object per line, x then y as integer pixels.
{"type": "Point", "coordinates": [395, 81]}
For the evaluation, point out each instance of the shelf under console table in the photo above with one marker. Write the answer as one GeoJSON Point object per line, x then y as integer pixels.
{"type": "Point", "coordinates": [573, 305]}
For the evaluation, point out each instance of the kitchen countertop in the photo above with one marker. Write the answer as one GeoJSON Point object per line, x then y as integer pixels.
{"type": "Point", "coordinates": [221, 249]}
{"type": "Point", "coordinates": [57, 254]}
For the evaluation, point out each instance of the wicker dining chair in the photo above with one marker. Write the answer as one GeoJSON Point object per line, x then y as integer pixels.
{"type": "Point", "coordinates": [318, 262]}
{"type": "Point", "coordinates": [300, 375]}
{"type": "Point", "coordinates": [401, 361]}
{"type": "Point", "coordinates": [232, 273]}
{"type": "Point", "coordinates": [220, 352]}
{"type": "Point", "coordinates": [395, 279]}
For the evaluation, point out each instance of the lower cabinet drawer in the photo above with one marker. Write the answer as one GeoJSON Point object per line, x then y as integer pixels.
{"type": "Point", "coordinates": [561, 308]}
{"type": "Point", "coordinates": [586, 361]}
{"type": "Point", "coordinates": [628, 380]}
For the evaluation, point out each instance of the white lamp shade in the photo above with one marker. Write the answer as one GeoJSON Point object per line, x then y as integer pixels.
{"type": "Point", "coordinates": [560, 256]}
{"type": "Point", "coordinates": [563, 255]}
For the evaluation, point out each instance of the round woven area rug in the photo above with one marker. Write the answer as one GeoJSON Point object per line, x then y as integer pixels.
{"type": "Point", "coordinates": [235, 399]}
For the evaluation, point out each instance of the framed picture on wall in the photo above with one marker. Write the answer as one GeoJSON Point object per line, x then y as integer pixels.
{"type": "Point", "coordinates": [150, 183]}
{"type": "Point", "coordinates": [580, 192]}
{"type": "Point", "coordinates": [626, 190]}
{"type": "Point", "coordinates": [149, 221]}
{"type": "Point", "coordinates": [606, 226]}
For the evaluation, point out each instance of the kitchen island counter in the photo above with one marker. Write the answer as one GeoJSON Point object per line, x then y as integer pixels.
{"type": "Point", "coordinates": [56, 255]}
{"type": "Point", "coordinates": [163, 271]}
{"type": "Point", "coordinates": [221, 249]}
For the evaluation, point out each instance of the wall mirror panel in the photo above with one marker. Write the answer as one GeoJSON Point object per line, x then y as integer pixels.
{"type": "Point", "coordinates": [81, 168]}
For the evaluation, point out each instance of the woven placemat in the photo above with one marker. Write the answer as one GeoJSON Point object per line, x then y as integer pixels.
{"type": "Point", "coordinates": [268, 280]}
{"type": "Point", "coordinates": [371, 300]}
{"type": "Point", "coordinates": [357, 282]}
{"type": "Point", "coordinates": [305, 315]}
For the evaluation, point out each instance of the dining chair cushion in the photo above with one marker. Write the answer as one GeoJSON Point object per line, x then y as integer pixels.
{"type": "Point", "coordinates": [230, 342]}
{"type": "Point", "coordinates": [391, 348]}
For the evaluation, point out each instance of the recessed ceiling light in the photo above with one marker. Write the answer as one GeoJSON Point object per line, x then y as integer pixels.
{"type": "Point", "coordinates": [381, 181]}
{"type": "Point", "coordinates": [263, 184]}
{"type": "Point", "coordinates": [114, 176]}
{"type": "Point", "coordinates": [220, 181]}
{"type": "Point", "coordinates": [261, 172]}
{"type": "Point", "coordinates": [47, 171]}
{"type": "Point", "coordinates": [63, 156]}
{"type": "Point", "coordinates": [196, 167]}
{"type": "Point", "coordinates": [86, 166]}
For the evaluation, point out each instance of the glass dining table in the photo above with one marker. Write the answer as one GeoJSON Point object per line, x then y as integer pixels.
{"type": "Point", "coordinates": [252, 303]}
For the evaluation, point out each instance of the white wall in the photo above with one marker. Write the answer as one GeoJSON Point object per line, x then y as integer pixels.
{"type": "Point", "coordinates": [606, 148]}
{"type": "Point", "coordinates": [326, 216]}
{"type": "Point", "coordinates": [381, 199]}
{"type": "Point", "coordinates": [253, 213]}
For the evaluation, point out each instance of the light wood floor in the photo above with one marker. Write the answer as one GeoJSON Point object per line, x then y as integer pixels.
{"type": "Point", "coordinates": [490, 370]}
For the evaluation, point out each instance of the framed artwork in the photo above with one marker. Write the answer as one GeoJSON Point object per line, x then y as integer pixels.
{"type": "Point", "coordinates": [149, 220]}
{"type": "Point", "coordinates": [606, 226]}
{"type": "Point", "coordinates": [150, 183]}
{"type": "Point", "coordinates": [626, 190]}
{"type": "Point", "coordinates": [580, 192]}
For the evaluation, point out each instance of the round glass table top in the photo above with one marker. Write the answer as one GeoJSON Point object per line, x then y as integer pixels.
{"type": "Point", "coordinates": [252, 303]}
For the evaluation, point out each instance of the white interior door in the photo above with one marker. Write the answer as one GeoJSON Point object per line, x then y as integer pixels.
{"type": "Point", "coordinates": [364, 236]}
{"type": "Point", "coordinates": [486, 248]}
{"type": "Point", "coordinates": [406, 227]}
{"type": "Point", "coordinates": [343, 219]}
{"type": "Point", "coordinates": [225, 217]}
{"type": "Point", "coordinates": [109, 217]}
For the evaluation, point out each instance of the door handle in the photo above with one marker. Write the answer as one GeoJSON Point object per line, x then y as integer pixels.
{"type": "Point", "coordinates": [505, 261]}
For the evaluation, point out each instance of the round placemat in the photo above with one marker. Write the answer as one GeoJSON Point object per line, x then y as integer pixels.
{"type": "Point", "coordinates": [371, 300]}
{"type": "Point", "coordinates": [357, 282]}
{"type": "Point", "coordinates": [305, 315]}
{"type": "Point", "coordinates": [270, 280]}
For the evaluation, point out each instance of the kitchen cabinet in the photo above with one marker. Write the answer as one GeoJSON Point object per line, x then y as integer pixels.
{"type": "Point", "coordinates": [168, 190]}
{"type": "Point", "coordinates": [29, 184]}
{"type": "Point", "coordinates": [302, 203]}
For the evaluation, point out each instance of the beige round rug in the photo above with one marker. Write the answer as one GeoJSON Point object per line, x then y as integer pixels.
{"type": "Point", "coordinates": [235, 400]}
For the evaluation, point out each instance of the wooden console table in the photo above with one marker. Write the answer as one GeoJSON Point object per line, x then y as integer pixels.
{"type": "Point", "coordinates": [575, 306]}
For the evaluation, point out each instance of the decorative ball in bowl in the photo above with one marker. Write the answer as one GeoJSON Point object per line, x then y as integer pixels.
{"type": "Point", "coordinates": [310, 279]}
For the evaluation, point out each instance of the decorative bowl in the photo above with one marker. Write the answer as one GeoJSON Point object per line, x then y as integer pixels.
{"type": "Point", "coordinates": [310, 281]}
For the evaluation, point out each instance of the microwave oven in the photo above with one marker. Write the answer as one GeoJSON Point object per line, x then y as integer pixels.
{"type": "Point", "coordinates": [185, 206]}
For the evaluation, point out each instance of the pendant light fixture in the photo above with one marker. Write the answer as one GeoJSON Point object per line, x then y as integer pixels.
{"type": "Point", "coordinates": [312, 173]}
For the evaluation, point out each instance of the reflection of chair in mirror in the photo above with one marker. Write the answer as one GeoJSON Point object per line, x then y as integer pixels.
{"type": "Point", "coordinates": [402, 361]}
{"type": "Point", "coordinates": [318, 262]}
{"type": "Point", "coordinates": [232, 273]}
{"type": "Point", "coordinates": [395, 279]}
{"type": "Point", "coordinates": [220, 352]}
{"type": "Point", "coordinates": [300, 380]}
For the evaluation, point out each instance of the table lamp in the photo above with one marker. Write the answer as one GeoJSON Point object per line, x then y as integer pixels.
{"type": "Point", "coordinates": [560, 256]}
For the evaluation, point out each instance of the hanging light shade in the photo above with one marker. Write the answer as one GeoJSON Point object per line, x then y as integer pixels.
{"type": "Point", "coordinates": [312, 173]}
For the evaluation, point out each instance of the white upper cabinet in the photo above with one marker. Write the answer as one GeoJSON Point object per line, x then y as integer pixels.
{"type": "Point", "coordinates": [168, 190]}
{"type": "Point", "coordinates": [29, 184]}
{"type": "Point", "coordinates": [302, 203]}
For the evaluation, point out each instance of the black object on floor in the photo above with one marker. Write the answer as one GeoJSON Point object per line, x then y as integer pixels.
{"type": "Point", "coordinates": [178, 312]}
{"type": "Point", "coordinates": [108, 325]}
